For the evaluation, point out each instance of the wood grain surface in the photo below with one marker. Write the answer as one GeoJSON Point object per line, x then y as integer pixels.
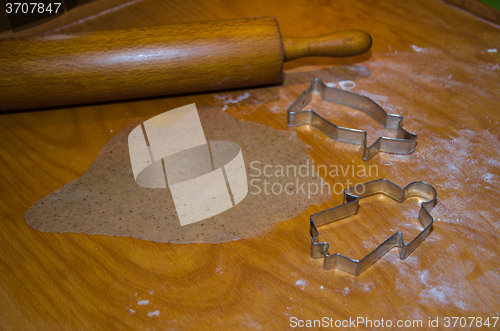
{"type": "Point", "coordinates": [478, 8]}
{"type": "Point", "coordinates": [431, 63]}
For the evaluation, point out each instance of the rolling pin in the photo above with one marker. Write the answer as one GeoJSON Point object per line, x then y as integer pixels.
{"type": "Point", "coordinates": [89, 67]}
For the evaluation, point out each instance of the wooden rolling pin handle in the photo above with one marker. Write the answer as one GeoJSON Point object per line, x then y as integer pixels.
{"type": "Point", "coordinates": [338, 44]}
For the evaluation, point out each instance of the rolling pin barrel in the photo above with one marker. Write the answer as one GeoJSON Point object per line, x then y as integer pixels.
{"type": "Point", "coordinates": [65, 69]}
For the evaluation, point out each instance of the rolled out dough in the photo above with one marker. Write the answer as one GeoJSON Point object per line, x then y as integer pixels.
{"type": "Point", "coordinates": [107, 200]}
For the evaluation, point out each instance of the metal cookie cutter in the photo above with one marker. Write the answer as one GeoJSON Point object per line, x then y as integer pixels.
{"type": "Point", "coordinates": [351, 206]}
{"type": "Point", "coordinates": [404, 143]}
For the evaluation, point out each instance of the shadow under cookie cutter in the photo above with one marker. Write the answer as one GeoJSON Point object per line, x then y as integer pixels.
{"type": "Point", "coordinates": [404, 143]}
{"type": "Point", "coordinates": [351, 206]}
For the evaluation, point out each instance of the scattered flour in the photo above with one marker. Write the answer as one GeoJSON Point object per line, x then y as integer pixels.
{"type": "Point", "coordinates": [494, 162]}
{"type": "Point", "coordinates": [367, 287]}
{"type": "Point", "coordinates": [434, 293]}
{"type": "Point", "coordinates": [301, 283]}
{"type": "Point", "coordinates": [251, 324]}
{"type": "Point", "coordinates": [492, 50]}
{"type": "Point", "coordinates": [346, 84]}
{"type": "Point", "coordinates": [444, 282]}
{"type": "Point", "coordinates": [142, 302]}
{"type": "Point", "coordinates": [417, 49]}
{"type": "Point", "coordinates": [487, 177]}
{"type": "Point", "coordinates": [422, 277]}
{"type": "Point", "coordinates": [131, 311]}
{"type": "Point", "coordinates": [442, 294]}
{"type": "Point", "coordinates": [228, 99]}
{"type": "Point", "coordinates": [276, 109]}
{"type": "Point", "coordinates": [154, 313]}
{"type": "Point", "coordinates": [331, 84]}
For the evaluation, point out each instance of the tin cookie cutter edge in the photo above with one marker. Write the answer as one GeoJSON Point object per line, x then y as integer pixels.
{"type": "Point", "coordinates": [404, 143]}
{"type": "Point", "coordinates": [351, 206]}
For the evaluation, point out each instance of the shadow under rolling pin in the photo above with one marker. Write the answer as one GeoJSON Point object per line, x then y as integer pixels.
{"type": "Point", "coordinates": [89, 67]}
